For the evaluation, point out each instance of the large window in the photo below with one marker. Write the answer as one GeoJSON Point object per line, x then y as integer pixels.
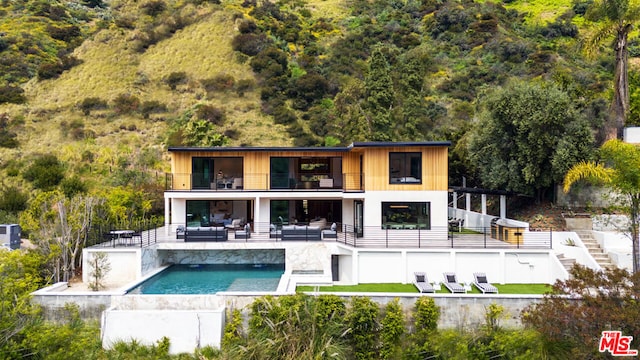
{"type": "Point", "coordinates": [217, 173]}
{"type": "Point", "coordinates": [305, 172]}
{"type": "Point", "coordinates": [405, 168]}
{"type": "Point", "coordinates": [406, 215]}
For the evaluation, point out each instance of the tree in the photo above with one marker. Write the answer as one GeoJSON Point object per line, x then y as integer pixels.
{"type": "Point", "coordinates": [203, 133]}
{"type": "Point", "coordinates": [362, 319]}
{"type": "Point", "coordinates": [618, 171]}
{"type": "Point", "coordinates": [616, 19]}
{"type": "Point", "coordinates": [379, 94]}
{"type": "Point", "coordinates": [528, 136]}
{"type": "Point", "coordinates": [572, 317]}
{"type": "Point", "coordinates": [100, 267]}
{"type": "Point", "coordinates": [60, 228]}
{"type": "Point", "coordinates": [351, 123]}
{"type": "Point", "coordinates": [392, 331]}
{"type": "Point", "coordinates": [19, 276]}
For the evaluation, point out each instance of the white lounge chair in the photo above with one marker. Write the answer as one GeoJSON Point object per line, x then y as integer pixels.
{"type": "Point", "coordinates": [481, 282]}
{"type": "Point", "coordinates": [451, 283]}
{"type": "Point", "coordinates": [422, 283]}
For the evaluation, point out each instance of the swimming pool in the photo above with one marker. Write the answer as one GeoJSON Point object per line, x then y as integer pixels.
{"type": "Point", "coordinates": [212, 278]}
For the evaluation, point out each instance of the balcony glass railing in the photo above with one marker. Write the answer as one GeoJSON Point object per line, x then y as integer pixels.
{"type": "Point", "coordinates": [265, 182]}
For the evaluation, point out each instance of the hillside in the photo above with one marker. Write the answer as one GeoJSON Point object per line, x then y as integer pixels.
{"type": "Point", "coordinates": [130, 78]}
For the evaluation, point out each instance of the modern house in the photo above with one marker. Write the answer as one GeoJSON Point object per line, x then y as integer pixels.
{"type": "Point", "coordinates": [370, 212]}
{"type": "Point", "coordinates": [363, 188]}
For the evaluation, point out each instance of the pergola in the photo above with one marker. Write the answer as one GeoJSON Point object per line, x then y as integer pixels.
{"type": "Point", "coordinates": [467, 191]}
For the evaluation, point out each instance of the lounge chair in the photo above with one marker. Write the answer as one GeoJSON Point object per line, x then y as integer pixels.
{"type": "Point", "coordinates": [422, 283]}
{"type": "Point", "coordinates": [451, 283]}
{"type": "Point", "coordinates": [481, 282]}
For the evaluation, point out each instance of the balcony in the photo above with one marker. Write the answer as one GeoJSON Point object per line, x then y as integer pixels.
{"type": "Point", "coordinates": [265, 182]}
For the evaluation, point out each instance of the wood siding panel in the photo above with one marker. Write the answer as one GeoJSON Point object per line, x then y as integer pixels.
{"type": "Point", "coordinates": [375, 167]}
{"type": "Point", "coordinates": [256, 165]}
{"type": "Point", "coordinates": [434, 169]}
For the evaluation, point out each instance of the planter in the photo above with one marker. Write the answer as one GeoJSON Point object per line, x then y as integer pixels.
{"type": "Point", "coordinates": [577, 221]}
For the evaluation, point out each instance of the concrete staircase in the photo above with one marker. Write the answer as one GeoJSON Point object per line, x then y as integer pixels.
{"type": "Point", "coordinates": [594, 249]}
{"type": "Point", "coordinates": [566, 262]}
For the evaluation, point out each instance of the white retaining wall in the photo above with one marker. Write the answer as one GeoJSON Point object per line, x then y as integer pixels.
{"type": "Point", "coordinates": [501, 266]}
{"type": "Point", "coordinates": [186, 329]}
{"type": "Point", "coordinates": [126, 265]}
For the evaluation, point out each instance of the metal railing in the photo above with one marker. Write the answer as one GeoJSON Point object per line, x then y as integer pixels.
{"type": "Point", "coordinates": [441, 237]}
{"type": "Point", "coordinates": [264, 182]}
{"type": "Point", "coordinates": [378, 237]}
{"type": "Point", "coordinates": [144, 235]}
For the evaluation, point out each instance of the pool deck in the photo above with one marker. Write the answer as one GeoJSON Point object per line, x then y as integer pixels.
{"type": "Point", "coordinates": [162, 238]}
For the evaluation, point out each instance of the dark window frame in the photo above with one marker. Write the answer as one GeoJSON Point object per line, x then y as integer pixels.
{"type": "Point", "coordinates": [405, 168]}
{"type": "Point", "coordinates": [405, 215]}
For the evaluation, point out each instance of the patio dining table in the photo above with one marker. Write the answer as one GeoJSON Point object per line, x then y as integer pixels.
{"type": "Point", "coordinates": [122, 236]}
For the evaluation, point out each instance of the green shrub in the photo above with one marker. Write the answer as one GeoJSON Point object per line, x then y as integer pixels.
{"type": "Point", "coordinates": [243, 86]}
{"type": "Point", "coordinates": [73, 186]}
{"type": "Point", "coordinates": [75, 129]}
{"type": "Point", "coordinates": [91, 103]}
{"type": "Point", "coordinates": [362, 319]}
{"type": "Point", "coordinates": [8, 139]}
{"type": "Point", "coordinates": [233, 330]}
{"type": "Point", "coordinates": [176, 78]}
{"type": "Point", "coordinates": [250, 44]}
{"type": "Point", "coordinates": [220, 82]}
{"type": "Point", "coordinates": [13, 200]}
{"type": "Point", "coordinates": [247, 26]}
{"type": "Point", "coordinates": [126, 104]}
{"type": "Point", "coordinates": [210, 113]}
{"type": "Point", "coordinates": [392, 332]}
{"type": "Point", "coordinates": [50, 70]}
{"type": "Point", "coordinates": [46, 172]}
{"type": "Point", "coordinates": [153, 8]}
{"type": "Point", "coordinates": [152, 107]}
{"type": "Point", "coordinates": [12, 94]}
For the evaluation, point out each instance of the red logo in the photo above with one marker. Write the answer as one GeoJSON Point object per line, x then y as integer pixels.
{"type": "Point", "coordinates": [616, 344]}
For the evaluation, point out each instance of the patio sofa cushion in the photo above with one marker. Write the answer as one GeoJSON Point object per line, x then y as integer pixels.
{"type": "Point", "coordinates": [331, 233]}
{"type": "Point", "coordinates": [300, 233]}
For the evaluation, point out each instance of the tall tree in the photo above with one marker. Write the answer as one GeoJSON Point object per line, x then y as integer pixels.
{"type": "Point", "coordinates": [379, 93]}
{"type": "Point", "coordinates": [528, 136]}
{"type": "Point", "coordinates": [618, 171]}
{"type": "Point", "coordinates": [60, 227]}
{"type": "Point", "coordinates": [616, 19]}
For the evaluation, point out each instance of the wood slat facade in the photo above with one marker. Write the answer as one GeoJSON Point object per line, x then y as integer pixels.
{"type": "Point", "coordinates": [368, 165]}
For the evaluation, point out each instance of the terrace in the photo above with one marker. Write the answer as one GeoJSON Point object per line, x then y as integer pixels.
{"type": "Point", "coordinates": [373, 237]}
{"type": "Point", "coordinates": [265, 182]}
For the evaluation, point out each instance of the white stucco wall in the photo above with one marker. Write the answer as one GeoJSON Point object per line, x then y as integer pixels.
{"type": "Point", "coordinates": [186, 329]}
{"type": "Point", "coordinates": [125, 265]}
{"type": "Point", "coordinates": [501, 266]}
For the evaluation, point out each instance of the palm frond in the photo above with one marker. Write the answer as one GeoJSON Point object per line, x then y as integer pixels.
{"type": "Point", "coordinates": [589, 171]}
{"type": "Point", "coordinates": [605, 30]}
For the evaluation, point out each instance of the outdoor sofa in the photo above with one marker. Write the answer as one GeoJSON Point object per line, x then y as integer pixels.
{"type": "Point", "coordinates": [202, 233]}
{"type": "Point", "coordinates": [300, 233]}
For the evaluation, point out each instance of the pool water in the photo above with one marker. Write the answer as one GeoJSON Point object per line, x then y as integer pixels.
{"type": "Point", "coordinates": [212, 278]}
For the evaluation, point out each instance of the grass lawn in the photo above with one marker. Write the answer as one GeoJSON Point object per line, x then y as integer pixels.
{"type": "Point", "coordinates": [537, 289]}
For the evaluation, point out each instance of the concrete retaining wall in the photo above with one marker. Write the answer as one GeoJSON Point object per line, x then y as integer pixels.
{"type": "Point", "coordinates": [187, 330]}
{"type": "Point", "coordinates": [90, 305]}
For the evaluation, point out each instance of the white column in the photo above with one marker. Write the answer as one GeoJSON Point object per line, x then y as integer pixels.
{"type": "Point", "coordinates": [467, 200]}
{"type": "Point", "coordinates": [484, 204]}
{"type": "Point", "coordinates": [455, 200]}
{"type": "Point", "coordinates": [167, 215]}
{"type": "Point", "coordinates": [503, 206]}
{"type": "Point", "coordinates": [257, 226]}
